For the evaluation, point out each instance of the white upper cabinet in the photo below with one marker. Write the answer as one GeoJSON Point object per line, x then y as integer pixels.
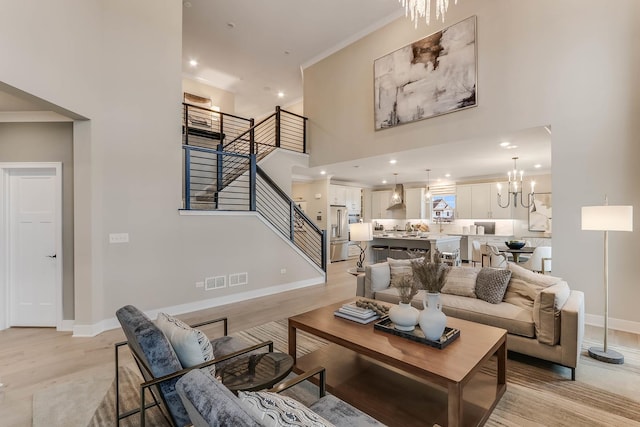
{"type": "Point", "coordinates": [414, 201]}
{"type": "Point", "coordinates": [337, 194]}
{"type": "Point", "coordinates": [480, 201]}
{"type": "Point", "coordinates": [354, 200]}
{"type": "Point", "coordinates": [379, 204]}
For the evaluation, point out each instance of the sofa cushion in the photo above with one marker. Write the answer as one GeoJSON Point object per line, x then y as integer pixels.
{"type": "Point", "coordinates": [491, 284]}
{"type": "Point", "coordinates": [521, 293]}
{"type": "Point", "coordinates": [516, 320]}
{"type": "Point", "coordinates": [276, 410]}
{"type": "Point", "coordinates": [399, 268]}
{"type": "Point", "coordinates": [546, 312]}
{"type": "Point", "coordinates": [191, 345]}
{"type": "Point", "coordinates": [461, 281]}
{"type": "Point", "coordinates": [541, 280]}
{"type": "Point", "coordinates": [377, 276]}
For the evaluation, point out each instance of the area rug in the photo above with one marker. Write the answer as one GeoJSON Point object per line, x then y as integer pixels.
{"type": "Point", "coordinates": [538, 393]}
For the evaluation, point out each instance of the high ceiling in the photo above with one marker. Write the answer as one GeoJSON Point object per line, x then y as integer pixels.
{"type": "Point", "coordinates": [257, 48]}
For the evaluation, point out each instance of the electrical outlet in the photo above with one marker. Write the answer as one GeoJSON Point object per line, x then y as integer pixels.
{"type": "Point", "coordinates": [238, 279]}
{"type": "Point", "coordinates": [199, 284]}
{"type": "Point", "coordinates": [283, 271]}
{"type": "Point", "coordinates": [119, 238]}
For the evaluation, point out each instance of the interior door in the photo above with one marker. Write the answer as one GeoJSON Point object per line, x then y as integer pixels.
{"type": "Point", "coordinates": [34, 264]}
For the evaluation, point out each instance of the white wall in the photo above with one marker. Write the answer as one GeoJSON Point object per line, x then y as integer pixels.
{"type": "Point", "coordinates": [221, 98]}
{"type": "Point", "coordinates": [118, 63]}
{"type": "Point", "coordinates": [571, 64]}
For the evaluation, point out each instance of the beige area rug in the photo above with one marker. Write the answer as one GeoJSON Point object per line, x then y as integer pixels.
{"type": "Point", "coordinates": [538, 393]}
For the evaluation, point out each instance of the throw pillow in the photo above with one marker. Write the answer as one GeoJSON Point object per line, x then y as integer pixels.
{"type": "Point", "coordinates": [191, 345]}
{"type": "Point", "coordinates": [521, 293]}
{"type": "Point", "coordinates": [537, 279]}
{"type": "Point", "coordinates": [379, 276]}
{"type": "Point", "coordinates": [546, 312]}
{"type": "Point", "coordinates": [400, 267]}
{"type": "Point", "coordinates": [491, 284]}
{"type": "Point", "coordinates": [276, 410]}
{"type": "Point", "coordinates": [461, 281]}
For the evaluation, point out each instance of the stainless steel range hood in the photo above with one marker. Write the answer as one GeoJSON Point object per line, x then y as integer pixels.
{"type": "Point", "coordinates": [395, 204]}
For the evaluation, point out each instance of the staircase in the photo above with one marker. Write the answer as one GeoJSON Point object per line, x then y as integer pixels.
{"type": "Point", "coordinates": [221, 154]}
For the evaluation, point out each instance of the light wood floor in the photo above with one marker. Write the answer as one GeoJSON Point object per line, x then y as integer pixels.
{"type": "Point", "coordinates": [34, 358]}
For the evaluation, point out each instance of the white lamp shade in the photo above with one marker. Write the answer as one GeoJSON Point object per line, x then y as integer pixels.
{"type": "Point", "coordinates": [360, 232]}
{"type": "Point", "coordinates": [607, 218]}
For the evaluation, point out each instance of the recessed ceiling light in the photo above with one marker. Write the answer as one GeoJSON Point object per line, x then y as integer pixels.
{"type": "Point", "coordinates": [538, 166]}
{"type": "Point", "coordinates": [384, 181]}
{"type": "Point", "coordinates": [323, 172]}
{"type": "Point", "coordinates": [393, 161]}
{"type": "Point", "coordinates": [280, 94]}
{"type": "Point", "coordinates": [193, 63]}
{"type": "Point", "coordinates": [505, 144]}
{"type": "Point", "coordinates": [447, 175]}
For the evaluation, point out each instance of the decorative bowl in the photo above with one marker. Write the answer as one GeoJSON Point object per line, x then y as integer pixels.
{"type": "Point", "coordinates": [515, 244]}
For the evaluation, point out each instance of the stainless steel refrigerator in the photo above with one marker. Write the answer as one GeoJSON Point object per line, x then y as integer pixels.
{"type": "Point", "coordinates": [339, 233]}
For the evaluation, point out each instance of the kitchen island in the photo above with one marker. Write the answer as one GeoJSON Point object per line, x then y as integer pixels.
{"type": "Point", "coordinates": [431, 242]}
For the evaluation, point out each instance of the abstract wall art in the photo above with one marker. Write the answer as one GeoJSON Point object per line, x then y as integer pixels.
{"type": "Point", "coordinates": [432, 76]}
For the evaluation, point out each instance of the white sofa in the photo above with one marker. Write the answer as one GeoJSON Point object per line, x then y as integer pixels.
{"type": "Point", "coordinates": [543, 317]}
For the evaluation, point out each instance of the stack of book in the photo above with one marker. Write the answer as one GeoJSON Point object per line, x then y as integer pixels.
{"type": "Point", "coordinates": [358, 314]}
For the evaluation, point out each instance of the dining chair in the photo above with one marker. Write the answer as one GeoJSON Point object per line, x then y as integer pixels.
{"type": "Point", "coordinates": [476, 252]}
{"type": "Point", "coordinates": [540, 260]}
{"type": "Point", "coordinates": [494, 257]}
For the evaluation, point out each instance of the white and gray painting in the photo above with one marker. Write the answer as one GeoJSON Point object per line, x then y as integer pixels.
{"type": "Point", "coordinates": [432, 76]}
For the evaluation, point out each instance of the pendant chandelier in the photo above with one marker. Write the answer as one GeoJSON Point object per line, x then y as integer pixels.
{"type": "Point", "coordinates": [396, 197]}
{"type": "Point", "coordinates": [428, 193]}
{"type": "Point", "coordinates": [422, 9]}
{"type": "Point", "coordinates": [515, 188]}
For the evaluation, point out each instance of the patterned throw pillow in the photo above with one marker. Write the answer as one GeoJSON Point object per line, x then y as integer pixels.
{"type": "Point", "coordinates": [191, 345]}
{"type": "Point", "coordinates": [276, 410]}
{"type": "Point", "coordinates": [491, 284]}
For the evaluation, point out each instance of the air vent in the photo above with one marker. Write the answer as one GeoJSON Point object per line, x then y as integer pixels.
{"type": "Point", "coordinates": [238, 279]}
{"type": "Point", "coordinates": [216, 282]}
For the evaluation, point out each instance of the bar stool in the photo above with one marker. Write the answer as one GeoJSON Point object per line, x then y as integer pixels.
{"type": "Point", "coordinates": [419, 252]}
{"type": "Point", "coordinates": [379, 252]}
{"type": "Point", "coordinates": [451, 258]}
{"type": "Point", "coordinates": [397, 252]}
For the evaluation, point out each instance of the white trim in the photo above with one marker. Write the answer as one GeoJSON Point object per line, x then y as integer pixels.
{"type": "Point", "coordinates": [4, 231]}
{"type": "Point", "coordinates": [615, 324]}
{"type": "Point", "coordinates": [112, 323]}
{"type": "Point", "coordinates": [354, 38]}
{"type": "Point", "coordinates": [66, 326]}
{"type": "Point", "coordinates": [32, 116]}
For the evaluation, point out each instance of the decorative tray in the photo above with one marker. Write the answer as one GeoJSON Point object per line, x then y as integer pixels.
{"type": "Point", "coordinates": [448, 336]}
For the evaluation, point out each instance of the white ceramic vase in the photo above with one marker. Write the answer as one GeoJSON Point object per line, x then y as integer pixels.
{"type": "Point", "coordinates": [404, 316]}
{"type": "Point", "coordinates": [432, 320]}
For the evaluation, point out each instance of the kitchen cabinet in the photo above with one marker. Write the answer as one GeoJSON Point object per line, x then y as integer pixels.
{"type": "Point", "coordinates": [414, 201]}
{"type": "Point", "coordinates": [337, 194]}
{"type": "Point", "coordinates": [380, 203]}
{"type": "Point", "coordinates": [354, 200]}
{"type": "Point", "coordinates": [463, 202]}
{"type": "Point", "coordinates": [479, 201]}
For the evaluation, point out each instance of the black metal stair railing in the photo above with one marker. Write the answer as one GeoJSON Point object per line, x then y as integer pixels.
{"type": "Point", "coordinates": [251, 189]}
{"type": "Point", "coordinates": [283, 213]}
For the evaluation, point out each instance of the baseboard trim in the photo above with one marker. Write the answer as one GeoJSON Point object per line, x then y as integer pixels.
{"type": "Point", "coordinates": [617, 324]}
{"type": "Point", "coordinates": [112, 323]}
{"type": "Point", "coordinates": [66, 326]}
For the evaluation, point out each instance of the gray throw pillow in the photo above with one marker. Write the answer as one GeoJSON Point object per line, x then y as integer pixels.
{"type": "Point", "coordinates": [491, 284]}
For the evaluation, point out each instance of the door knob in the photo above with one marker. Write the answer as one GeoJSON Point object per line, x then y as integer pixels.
{"type": "Point", "coordinates": [53, 256]}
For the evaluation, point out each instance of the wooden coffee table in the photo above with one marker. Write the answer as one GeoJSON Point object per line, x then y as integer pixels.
{"type": "Point", "coordinates": [405, 383]}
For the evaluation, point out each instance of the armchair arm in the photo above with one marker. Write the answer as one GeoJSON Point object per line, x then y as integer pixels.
{"type": "Point", "coordinates": [209, 322]}
{"type": "Point", "coordinates": [302, 377]}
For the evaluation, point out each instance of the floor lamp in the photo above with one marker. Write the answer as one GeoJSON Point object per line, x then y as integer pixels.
{"type": "Point", "coordinates": [607, 218]}
{"type": "Point", "coordinates": [361, 232]}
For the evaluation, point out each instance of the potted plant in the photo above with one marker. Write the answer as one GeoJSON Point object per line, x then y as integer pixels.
{"type": "Point", "coordinates": [404, 316]}
{"type": "Point", "coordinates": [432, 276]}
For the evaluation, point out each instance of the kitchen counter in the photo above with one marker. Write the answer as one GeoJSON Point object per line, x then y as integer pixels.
{"type": "Point", "coordinates": [433, 241]}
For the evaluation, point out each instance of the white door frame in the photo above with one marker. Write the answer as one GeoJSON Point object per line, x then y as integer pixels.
{"type": "Point", "coordinates": [5, 169]}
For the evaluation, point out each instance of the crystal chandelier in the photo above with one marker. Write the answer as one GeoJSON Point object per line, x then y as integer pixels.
{"type": "Point", "coordinates": [422, 9]}
{"type": "Point", "coordinates": [515, 187]}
